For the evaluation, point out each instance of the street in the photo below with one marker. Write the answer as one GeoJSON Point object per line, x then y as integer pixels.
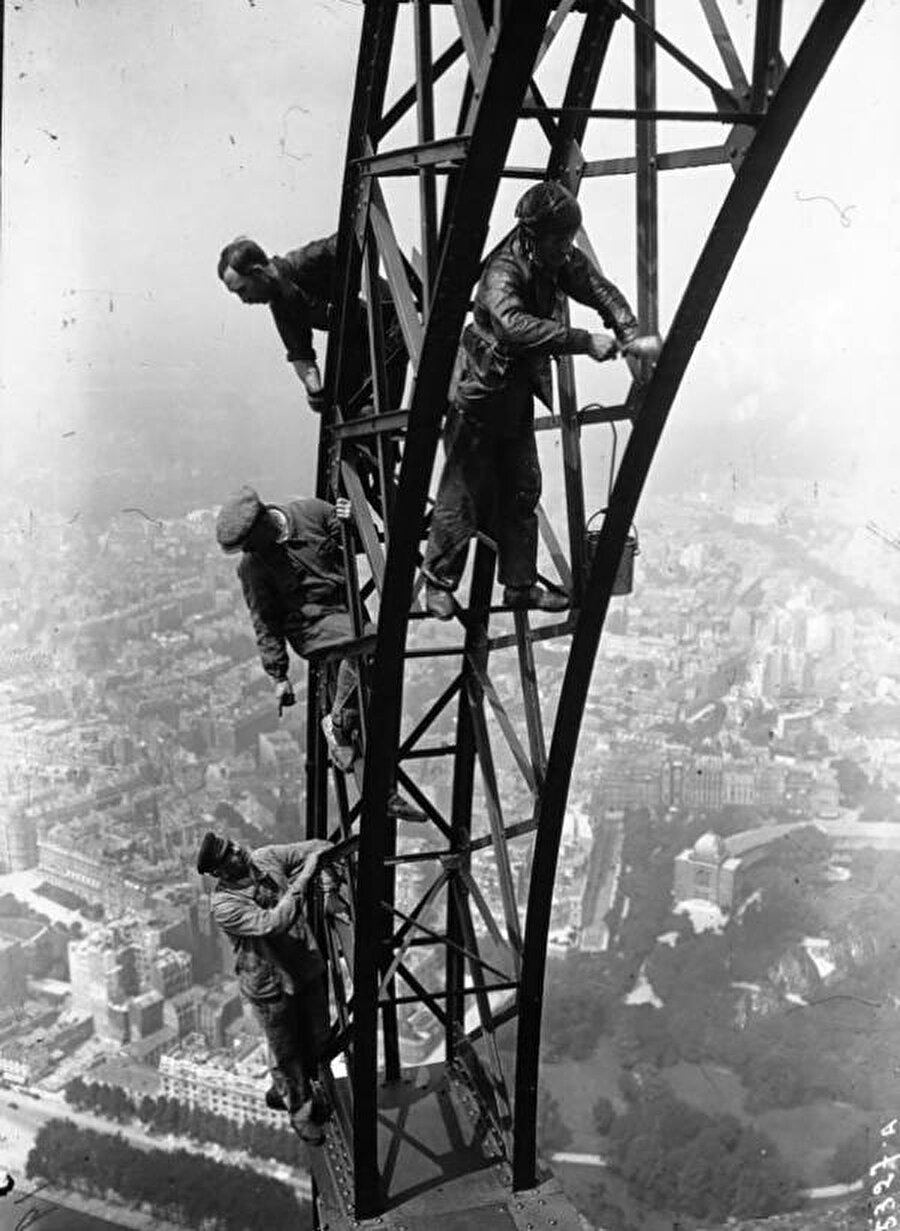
{"type": "Point", "coordinates": [19, 1127]}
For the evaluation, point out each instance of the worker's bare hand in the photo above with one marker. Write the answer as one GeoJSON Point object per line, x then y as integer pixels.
{"type": "Point", "coordinates": [343, 508]}
{"type": "Point", "coordinates": [305, 875]}
{"type": "Point", "coordinates": [328, 881]}
{"type": "Point", "coordinates": [284, 695]}
{"type": "Point", "coordinates": [603, 346]}
{"type": "Point", "coordinates": [316, 401]}
{"type": "Point", "coordinates": [308, 371]}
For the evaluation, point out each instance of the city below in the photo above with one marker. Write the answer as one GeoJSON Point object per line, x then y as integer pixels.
{"type": "Point", "coordinates": [732, 831]}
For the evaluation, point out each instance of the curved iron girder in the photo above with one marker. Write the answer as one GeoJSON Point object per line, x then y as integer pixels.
{"type": "Point", "coordinates": [376, 42]}
{"type": "Point", "coordinates": [463, 240]}
{"type": "Point", "coordinates": [822, 40]}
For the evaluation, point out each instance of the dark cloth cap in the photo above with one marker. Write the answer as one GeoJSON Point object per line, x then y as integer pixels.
{"type": "Point", "coordinates": [237, 517]}
{"type": "Point", "coordinates": [211, 852]}
{"type": "Point", "coordinates": [548, 208]}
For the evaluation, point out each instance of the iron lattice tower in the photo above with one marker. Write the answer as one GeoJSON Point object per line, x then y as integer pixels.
{"type": "Point", "coordinates": [452, 1144]}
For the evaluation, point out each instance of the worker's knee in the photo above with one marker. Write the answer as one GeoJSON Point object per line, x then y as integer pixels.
{"type": "Point", "coordinates": [527, 492]}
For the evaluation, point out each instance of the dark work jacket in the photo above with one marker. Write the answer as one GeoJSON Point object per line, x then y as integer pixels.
{"type": "Point", "coordinates": [305, 293]}
{"type": "Point", "coordinates": [304, 300]}
{"type": "Point", "coordinates": [290, 589]}
{"type": "Point", "coordinates": [519, 323]}
{"type": "Point", "coordinates": [274, 950]}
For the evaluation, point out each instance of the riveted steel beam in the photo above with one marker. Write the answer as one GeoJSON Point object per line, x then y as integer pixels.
{"type": "Point", "coordinates": [464, 233]}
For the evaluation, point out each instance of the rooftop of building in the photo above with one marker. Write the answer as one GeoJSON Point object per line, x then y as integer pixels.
{"type": "Point", "coordinates": [163, 1039]}
{"type": "Point", "coordinates": [245, 1060]}
{"type": "Point", "coordinates": [136, 1078]}
{"type": "Point", "coordinates": [16, 928]}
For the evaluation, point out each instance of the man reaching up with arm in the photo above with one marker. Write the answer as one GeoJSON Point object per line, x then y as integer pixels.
{"type": "Point", "coordinates": [258, 903]}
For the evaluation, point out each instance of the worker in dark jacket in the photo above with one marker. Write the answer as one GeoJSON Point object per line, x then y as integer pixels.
{"type": "Point", "coordinates": [292, 574]}
{"type": "Point", "coordinates": [492, 475]}
{"type": "Point", "coordinates": [258, 903]}
{"type": "Point", "coordinates": [301, 293]}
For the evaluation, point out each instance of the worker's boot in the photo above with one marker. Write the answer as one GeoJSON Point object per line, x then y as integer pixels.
{"type": "Point", "coordinates": [274, 1101]}
{"type": "Point", "coordinates": [341, 751]}
{"type": "Point", "coordinates": [438, 602]}
{"type": "Point", "coordinates": [304, 1124]}
{"type": "Point", "coordinates": [534, 598]}
{"type": "Point", "coordinates": [321, 1107]}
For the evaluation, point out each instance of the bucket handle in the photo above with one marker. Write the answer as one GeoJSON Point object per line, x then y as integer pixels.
{"type": "Point", "coordinates": [609, 487]}
{"type": "Point", "coordinates": [632, 530]}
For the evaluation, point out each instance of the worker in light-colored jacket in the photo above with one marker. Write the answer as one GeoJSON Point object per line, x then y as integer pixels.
{"type": "Point", "coordinates": [259, 903]}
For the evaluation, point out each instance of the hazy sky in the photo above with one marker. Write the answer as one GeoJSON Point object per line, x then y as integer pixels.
{"type": "Point", "coordinates": [140, 137]}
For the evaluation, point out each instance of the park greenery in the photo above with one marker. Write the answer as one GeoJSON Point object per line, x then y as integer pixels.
{"type": "Point", "coordinates": [164, 1115]}
{"type": "Point", "coordinates": [723, 1001]}
{"type": "Point", "coordinates": [713, 1167]}
{"type": "Point", "coordinates": [172, 1184]}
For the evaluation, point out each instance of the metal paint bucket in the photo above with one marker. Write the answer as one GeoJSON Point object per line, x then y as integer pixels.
{"type": "Point", "coordinates": [624, 580]}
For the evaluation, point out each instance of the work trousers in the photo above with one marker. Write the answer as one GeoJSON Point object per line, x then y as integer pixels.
{"type": "Point", "coordinates": [296, 1027]}
{"type": "Point", "coordinates": [331, 629]}
{"type": "Point", "coordinates": [490, 483]}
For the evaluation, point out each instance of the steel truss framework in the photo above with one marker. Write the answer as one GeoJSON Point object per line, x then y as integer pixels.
{"type": "Point", "coordinates": [476, 959]}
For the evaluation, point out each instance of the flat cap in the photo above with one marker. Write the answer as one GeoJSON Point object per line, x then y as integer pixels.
{"type": "Point", "coordinates": [211, 852]}
{"type": "Point", "coordinates": [236, 518]}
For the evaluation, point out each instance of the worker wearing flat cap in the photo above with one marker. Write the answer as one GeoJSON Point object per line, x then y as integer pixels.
{"type": "Point", "coordinates": [492, 478]}
{"type": "Point", "coordinates": [294, 582]}
{"type": "Point", "coordinates": [258, 902]}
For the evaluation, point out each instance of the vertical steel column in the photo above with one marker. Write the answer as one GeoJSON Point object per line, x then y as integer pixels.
{"type": "Point", "coordinates": [389, 1027]}
{"type": "Point", "coordinates": [463, 786]}
{"type": "Point", "coordinates": [464, 234]}
{"type": "Point", "coordinates": [766, 49]}
{"type": "Point", "coordinates": [425, 122]}
{"type": "Point", "coordinates": [645, 179]}
{"type": "Point", "coordinates": [376, 43]}
{"type": "Point", "coordinates": [566, 164]}
{"type": "Point", "coordinates": [827, 29]}
{"type": "Point", "coordinates": [570, 437]}
{"type": "Point", "coordinates": [316, 759]}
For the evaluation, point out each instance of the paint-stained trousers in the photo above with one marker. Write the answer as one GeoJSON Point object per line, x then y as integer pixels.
{"type": "Point", "coordinates": [295, 1028]}
{"type": "Point", "coordinates": [328, 630]}
{"type": "Point", "coordinates": [492, 483]}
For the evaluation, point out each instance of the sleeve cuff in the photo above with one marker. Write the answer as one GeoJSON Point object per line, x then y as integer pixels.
{"type": "Point", "coordinates": [578, 341]}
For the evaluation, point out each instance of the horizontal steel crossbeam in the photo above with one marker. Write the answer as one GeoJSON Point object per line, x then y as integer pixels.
{"type": "Point", "coordinates": [411, 158]}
